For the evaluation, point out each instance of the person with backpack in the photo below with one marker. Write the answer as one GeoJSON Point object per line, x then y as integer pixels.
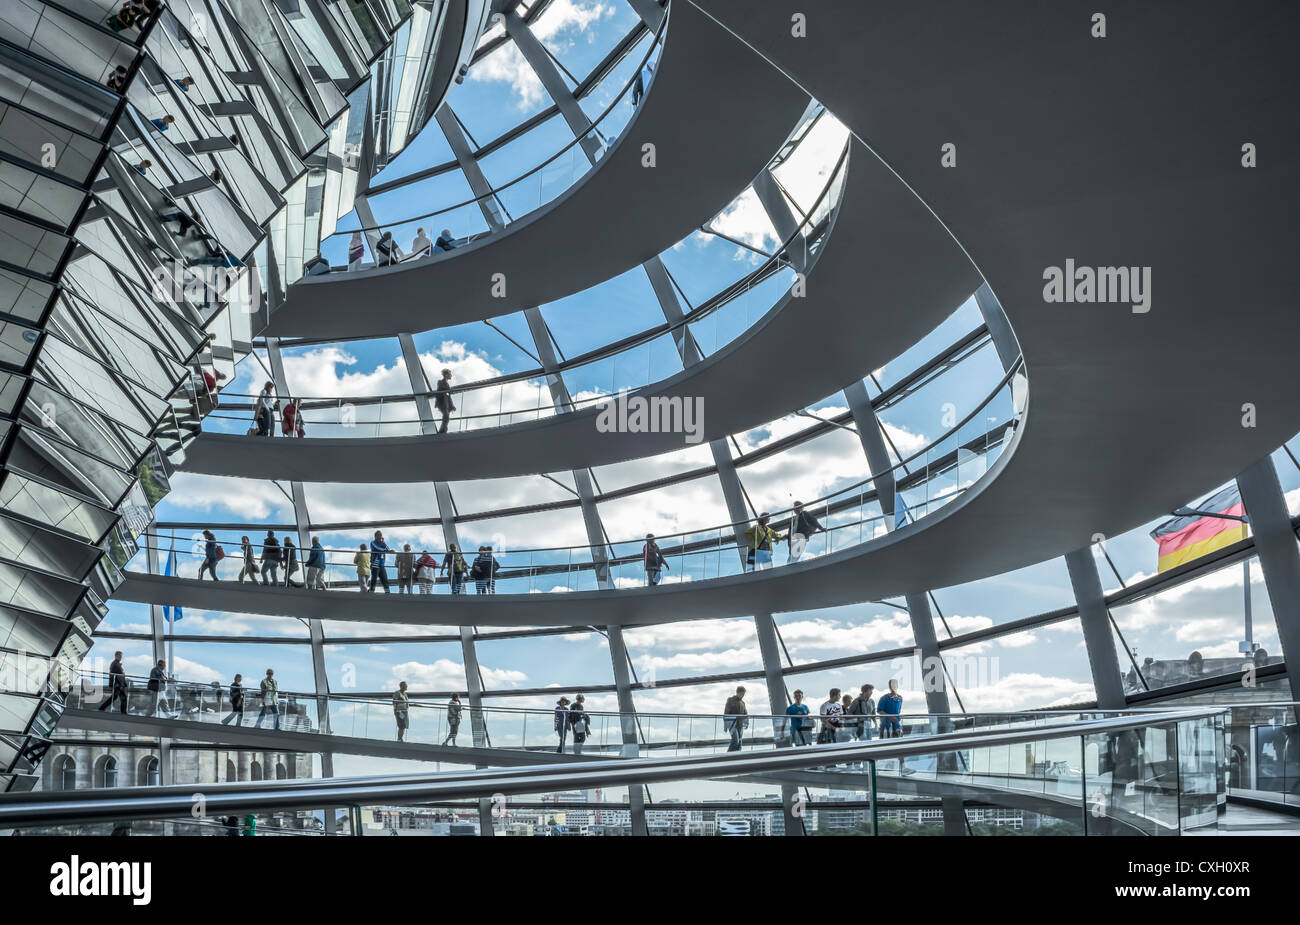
{"type": "Point", "coordinates": [889, 709]}
{"type": "Point", "coordinates": [653, 559]}
{"type": "Point", "coordinates": [802, 527]}
{"type": "Point", "coordinates": [863, 709]}
{"type": "Point", "coordinates": [270, 559]}
{"type": "Point", "coordinates": [561, 721]}
{"type": "Point", "coordinates": [484, 571]}
{"type": "Point", "coordinates": [378, 563]}
{"type": "Point", "coordinates": [831, 712]}
{"type": "Point", "coordinates": [116, 684]}
{"type": "Point", "coordinates": [211, 555]}
{"type": "Point", "coordinates": [401, 710]}
{"type": "Point", "coordinates": [426, 572]}
{"type": "Point", "coordinates": [735, 717]}
{"type": "Point", "coordinates": [453, 719]}
{"type": "Point", "coordinates": [250, 561]}
{"type": "Point", "coordinates": [759, 538]}
{"type": "Point", "coordinates": [236, 701]}
{"type": "Point", "coordinates": [290, 563]}
{"type": "Point", "coordinates": [362, 561]}
{"type": "Point", "coordinates": [316, 566]}
{"type": "Point", "coordinates": [797, 711]}
{"type": "Point", "coordinates": [579, 722]}
{"type": "Point", "coordinates": [270, 699]}
{"type": "Point", "coordinates": [157, 685]}
{"type": "Point", "coordinates": [453, 563]}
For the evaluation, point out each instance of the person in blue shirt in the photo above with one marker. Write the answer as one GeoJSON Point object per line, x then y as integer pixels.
{"type": "Point", "coordinates": [377, 570]}
{"type": "Point", "coordinates": [796, 710]}
{"type": "Point", "coordinates": [209, 555]}
{"type": "Point", "coordinates": [888, 709]}
{"type": "Point", "coordinates": [316, 565]}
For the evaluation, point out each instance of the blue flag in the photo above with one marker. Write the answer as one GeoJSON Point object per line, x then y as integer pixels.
{"type": "Point", "coordinates": [168, 571]}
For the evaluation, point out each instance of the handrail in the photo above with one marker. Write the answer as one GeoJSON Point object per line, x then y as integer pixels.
{"type": "Point", "coordinates": [177, 800]}
{"type": "Point", "coordinates": [250, 690]}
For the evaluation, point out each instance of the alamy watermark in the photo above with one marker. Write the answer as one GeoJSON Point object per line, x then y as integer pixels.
{"type": "Point", "coordinates": [1073, 283]}
{"type": "Point", "coordinates": [658, 414]}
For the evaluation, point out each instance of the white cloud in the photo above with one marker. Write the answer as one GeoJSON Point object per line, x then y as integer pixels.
{"type": "Point", "coordinates": [558, 29]}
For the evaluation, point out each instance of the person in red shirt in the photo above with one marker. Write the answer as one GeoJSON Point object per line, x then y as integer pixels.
{"type": "Point", "coordinates": [289, 423]}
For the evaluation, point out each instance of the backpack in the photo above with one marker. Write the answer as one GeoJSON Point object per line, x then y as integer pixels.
{"type": "Point", "coordinates": [221, 553]}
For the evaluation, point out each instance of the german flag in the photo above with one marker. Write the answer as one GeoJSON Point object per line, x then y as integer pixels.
{"type": "Point", "coordinates": [1193, 535]}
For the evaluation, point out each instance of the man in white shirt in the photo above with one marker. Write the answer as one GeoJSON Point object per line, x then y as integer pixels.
{"type": "Point", "coordinates": [831, 711]}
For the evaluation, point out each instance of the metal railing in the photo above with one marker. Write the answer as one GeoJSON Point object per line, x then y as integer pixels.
{"type": "Point", "coordinates": [1155, 774]}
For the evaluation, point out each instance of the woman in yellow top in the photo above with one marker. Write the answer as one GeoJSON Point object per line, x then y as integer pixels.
{"type": "Point", "coordinates": [362, 562]}
{"type": "Point", "coordinates": [759, 538]}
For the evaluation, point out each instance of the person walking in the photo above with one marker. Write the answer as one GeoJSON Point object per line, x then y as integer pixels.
{"type": "Point", "coordinates": [578, 722]}
{"type": "Point", "coordinates": [426, 572]}
{"type": "Point", "coordinates": [236, 701]}
{"type": "Point", "coordinates": [802, 527]}
{"type": "Point", "coordinates": [265, 408]}
{"type": "Point", "coordinates": [735, 717]}
{"type": "Point", "coordinates": [362, 561]}
{"type": "Point", "coordinates": [270, 559]}
{"type": "Point", "coordinates": [561, 721]}
{"type": "Point", "coordinates": [863, 709]}
{"type": "Point", "coordinates": [453, 719]}
{"type": "Point", "coordinates": [484, 571]}
{"type": "Point", "coordinates": [797, 711]}
{"type": "Point", "coordinates": [157, 686]}
{"type": "Point", "coordinates": [270, 699]}
{"type": "Point", "coordinates": [210, 555]}
{"type": "Point", "coordinates": [405, 570]}
{"type": "Point", "coordinates": [889, 709]}
{"type": "Point", "coordinates": [316, 566]}
{"type": "Point", "coordinates": [442, 400]}
{"type": "Point", "coordinates": [401, 710]}
{"type": "Point", "coordinates": [250, 561]}
{"type": "Point", "coordinates": [453, 563]}
{"type": "Point", "coordinates": [831, 712]}
{"type": "Point", "coordinates": [290, 563]}
{"type": "Point", "coordinates": [653, 559]}
{"type": "Point", "coordinates": [116, 684]}
{"type": "Point", "coordinates": [759, 538]}
{"type": "Point", "coordinates": [378, 561]}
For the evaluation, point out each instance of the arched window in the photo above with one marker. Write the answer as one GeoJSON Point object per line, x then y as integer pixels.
{"type": "Point", "coordinates": [231, 773]}
{"type": "Point", "coordinates": [280, 772]}
{"type": "Point", "coordinates": [255, 771]}
{"type": "Point", "coordinates": [149, 772]}
{"type": "Point", "coordinates": [66, 773]}
{"type": "Point", "coordinates": [106, 772]}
